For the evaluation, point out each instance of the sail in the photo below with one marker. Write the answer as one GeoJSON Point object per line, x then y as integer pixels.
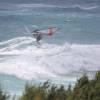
{"type": "Point", "coordinates": [48, 31]}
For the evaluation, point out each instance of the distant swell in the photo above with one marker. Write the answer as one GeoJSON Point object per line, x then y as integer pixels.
{"type": "Point", "coordinates": [22, 58]}
{"type": "Point", "coordinates": [58, 6]}
{"type": "Point", "coordinates": [8, 6]}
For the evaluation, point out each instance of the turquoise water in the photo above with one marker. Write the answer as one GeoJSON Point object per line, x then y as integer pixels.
{"type": "Point", "coordinates": [74, 27]}
{"type": "Point", "coordinates": [62, 58]}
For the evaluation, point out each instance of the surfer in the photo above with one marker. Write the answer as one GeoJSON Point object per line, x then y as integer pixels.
{"type": "Point", "coordinates": [38, 34]}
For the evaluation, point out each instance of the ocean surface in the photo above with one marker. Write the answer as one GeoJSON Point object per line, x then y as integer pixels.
{"type": "Point", "coordinates": [62, 58]}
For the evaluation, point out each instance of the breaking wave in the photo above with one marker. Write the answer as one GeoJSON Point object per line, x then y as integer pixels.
{"type": "Point", "coordinates": [21, 57]}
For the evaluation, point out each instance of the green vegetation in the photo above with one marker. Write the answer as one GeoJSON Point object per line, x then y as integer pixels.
{"type": "Point", "coordinates": [3, 95]}
{"type": "Point", "coordinates": [84, 89]}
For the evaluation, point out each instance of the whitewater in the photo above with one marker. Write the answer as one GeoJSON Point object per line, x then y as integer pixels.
{"type": "Point", "coordinates": [22, 58]}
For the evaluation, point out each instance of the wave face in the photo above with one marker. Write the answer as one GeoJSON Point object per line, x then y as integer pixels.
{"type": "Point", "coordinates": [22, 58]}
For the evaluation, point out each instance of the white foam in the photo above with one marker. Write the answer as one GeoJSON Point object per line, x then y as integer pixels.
{"type": "Point", "coordinates": [24, 60]}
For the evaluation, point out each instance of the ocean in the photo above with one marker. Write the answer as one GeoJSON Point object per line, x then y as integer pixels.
{"type": "Point", "coordinates": [61, 58]}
